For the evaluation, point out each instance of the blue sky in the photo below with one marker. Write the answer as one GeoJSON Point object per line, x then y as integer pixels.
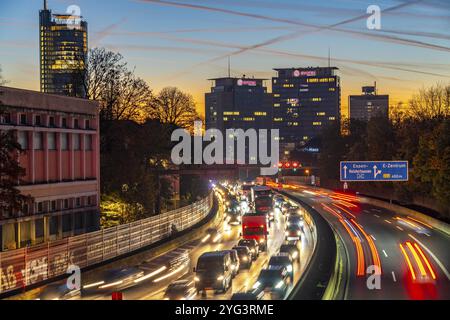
{"type": "Point", "coordinates": [182, 43]}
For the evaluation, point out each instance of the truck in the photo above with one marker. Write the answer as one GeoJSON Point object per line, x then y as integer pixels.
{"type": "Point", "coordinates": [254, 226]}
{"type": "Point", "coordinates": [262, 200]}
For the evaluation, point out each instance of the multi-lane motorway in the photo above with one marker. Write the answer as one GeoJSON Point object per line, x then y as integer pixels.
{"type": "Point", "coordinates": [156, 276]}
{"type": "Point", "coordinates": [412, 256]}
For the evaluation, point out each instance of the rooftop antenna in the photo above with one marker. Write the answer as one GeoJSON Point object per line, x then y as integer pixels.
{"type": "Point", "coordinates": [329, 57]}
{"type": "Point", "coordinates": [45, 4]}
{"type": "Point", "coordinates": [229, 73]}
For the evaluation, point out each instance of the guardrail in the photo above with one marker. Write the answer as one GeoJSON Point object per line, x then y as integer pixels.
{"type": "Point", "coordinates": [320, 269]}
{"type": "Point", "coordinates": [27, 266]}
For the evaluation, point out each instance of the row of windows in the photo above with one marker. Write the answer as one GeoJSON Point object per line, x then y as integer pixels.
{"type": "Point", "coordinates": [39, 120]}
{"type": "Point", "coordinates": [61, 204]}
{"type": "Point", "coordinates": [38, 141]}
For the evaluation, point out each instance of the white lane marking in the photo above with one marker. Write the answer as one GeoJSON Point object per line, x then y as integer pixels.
{"type": "Point", "coordinates": [433, 256]}
{"type": "Point", "coordinates": [366, 211]}
{"type": "Point", "coordinates": [387, 221]}
{"type": "Point", "coordinates": [393, 276]}
{"type": "Point", "coordinates": [376, 215]}
{"type": "Point", "coordinates": [399, 228]}
{"type": "Point", "coordinates": [376, 210]}
{"type": "Point", "coordinates": [373, 237]}
{"type": "Point", "coordinates": [385, 253]}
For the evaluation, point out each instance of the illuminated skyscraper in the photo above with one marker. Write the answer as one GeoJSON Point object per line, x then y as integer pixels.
{"type": "Point", "coordinates": [63, 52]}
{"type": "Point", "coordinates": [305, 100]}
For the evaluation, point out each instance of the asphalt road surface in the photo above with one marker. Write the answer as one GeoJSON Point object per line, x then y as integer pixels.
{"type": "Point", "coordinates": [412, 256]}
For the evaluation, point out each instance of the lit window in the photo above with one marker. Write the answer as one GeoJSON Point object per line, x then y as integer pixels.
{"type": "Point", "coordinates": [276, 104]}
{"type": "Point", "coordinates": [320, 113]}
{"type": "Point", "coordinates": [317, 123]}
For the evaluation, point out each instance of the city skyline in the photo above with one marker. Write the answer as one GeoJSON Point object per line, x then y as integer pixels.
{"type": "Point", "coordinates": [181, 43]}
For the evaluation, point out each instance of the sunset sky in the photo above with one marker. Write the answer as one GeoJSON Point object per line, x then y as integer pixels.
{"type": "Point", "coordinates": [183, 43]}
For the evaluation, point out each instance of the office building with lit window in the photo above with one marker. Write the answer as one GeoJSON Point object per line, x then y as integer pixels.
{"type": "Point", "coordinates": [238, 103]}
{"type": "Point", "coordinates": [63, 53]}
{"type": "Point", "coordinates": [305, 100]}
{"type": "Point", "coordinates": [369, 104]}
{"type": "Point", "coordinates": [60, 139]}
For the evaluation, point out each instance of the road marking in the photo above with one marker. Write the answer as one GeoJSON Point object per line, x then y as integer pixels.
{"type": "Point", "coordinates": [393, 276]}
{"type": "Point", "coordinates": [377, 210]}
{"type": "Point", "coordinates": [399, 228]}
{"type": "Point", "coordinates": [385, 253]}
{"type": "Point", "coordinates": [433, 256]}
{"type": "Point", "coordinates": [387, 221]}
{"type": "Point", "coordinates": [373, 237]}
{"type": "Point", "coordinates": [376, 215]}
{"type": "Point", "coordinates": [366, 211]}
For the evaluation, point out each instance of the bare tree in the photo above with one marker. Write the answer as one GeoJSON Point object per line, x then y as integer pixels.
{"type": "Point", "coordinates": [175, 107]}
{"type": "Point", "coordinates": [121, 94]}
{"type": "Point", "coordinates": [430, 103]}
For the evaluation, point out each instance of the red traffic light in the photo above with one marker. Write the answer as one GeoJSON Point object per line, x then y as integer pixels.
{"type": "Point", "coordinates": [295, 164]}
{"type": "Point", "coordinates": [287, 164]}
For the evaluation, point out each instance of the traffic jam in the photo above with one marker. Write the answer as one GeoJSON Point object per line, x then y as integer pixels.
{"type": "Point", "coordinates": [257, 251]}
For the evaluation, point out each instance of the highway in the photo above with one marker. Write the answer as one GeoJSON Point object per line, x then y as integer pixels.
{"type": "Point", "coordinates": [156, 277]}
{"type": "Point", "coordinates": [413, 257]}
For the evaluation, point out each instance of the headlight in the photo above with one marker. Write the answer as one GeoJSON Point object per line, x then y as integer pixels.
{"type": "Point", "coordinates": [289, 268]}
{"type": "Point", "coordinates": [261, 240]}
{"type": "Point", "coordinates": [294, 255]}
{"type": "Point", "coordinates": [288, 224]}
{"type": "Point", "coordinates": [256, 285]}
{"type": "Point", "coordinates": [252, 250]}
{"type": "Point", "coordinates": [244, 259]}
{"type": "Point", "coordinates": [286, 233]}
{"type": "Point", "coordinates": [219, 278]}
{"type": "Point", "coordinates": [279, 285]}
{"type": "Point", "coordinates": [299, 232]}
{"type": "Point", "coordinates": [196, 279]}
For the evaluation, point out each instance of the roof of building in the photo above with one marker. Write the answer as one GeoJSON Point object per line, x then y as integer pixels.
{"type": "Point", "coordinates": [24, 98]}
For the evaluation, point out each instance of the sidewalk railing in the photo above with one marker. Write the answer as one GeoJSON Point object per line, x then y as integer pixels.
{"type": "Point", "coordinates": [26, 266]}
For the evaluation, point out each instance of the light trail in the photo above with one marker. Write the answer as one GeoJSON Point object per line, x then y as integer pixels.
{"type": "Point", "coordinates": [408, 262]}
{"type": "Point", "coordinates": [433, 275]}
{"type": "Point", "coordinates": [154, 273]}
{"type": "Point", "coordinates": [373, 248]}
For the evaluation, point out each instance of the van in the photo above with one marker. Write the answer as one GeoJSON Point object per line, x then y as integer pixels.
{"type": "Point", "coordinates": [214, 272]}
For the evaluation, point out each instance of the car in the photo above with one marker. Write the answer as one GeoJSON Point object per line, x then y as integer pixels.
{"type": "Point", "coordinates": [282, 259]}
{"type": "Point", "coordinates": [247, 296]}
{"type": "Point", "coordinates": [294, 220]}
{"type": "Point", "coordinates": [233, 217]}
{"type": "Point", "coordinates": [180, 290]}
{"type": "Point", "coordinates": [278, 201]}
{"type": "Point", "coordinates": [293, 232]}
{"type": "Point", "coordinates": [213, 271]}
{"type": "Point", "coordinates": [252, 244]}
{"type": "Point", "coordinates": [245, 257]}
{"type": "Point", "coordinates": [273, 280]}
{"type": "Point", "coordinates": [212, 236]}
{"type": "Point", "coordinates": [235, 264]}
{"type": "Point", "coordinates": [58, 291]}
{"type": "Point", "coordinates": [285, 207]}
{"type": "Point", "coordinates": [292, 250]}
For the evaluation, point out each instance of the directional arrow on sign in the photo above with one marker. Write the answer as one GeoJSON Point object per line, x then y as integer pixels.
{"type": "Point", "coordinates": [345, 172]}
{"type": "Point", "coordinates": [375, 171]}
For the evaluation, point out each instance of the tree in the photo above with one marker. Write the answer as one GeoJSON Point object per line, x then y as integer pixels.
{"type": "Point", "coordinates": [172, 106]}
{"type": "Point", "coordinates": [431, 103]}
{"type": "Point", "coordinates": [10, 170]}
{"type": "Point", "coordinates": [121, 94]}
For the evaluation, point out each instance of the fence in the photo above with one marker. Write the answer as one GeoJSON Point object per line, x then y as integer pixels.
{"type": "Point", "coordinates": [26, 266]}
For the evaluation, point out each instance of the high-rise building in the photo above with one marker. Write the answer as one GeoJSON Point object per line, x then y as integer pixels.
{"type": "Point", "coordinates": [238, 103]}
{"type": "Point", "coordinates": [305, 100]}
{"type": "Point", "coordinates": [59, 137]}
{"type": "Point", "coordinates": [368, 104]}
{"type": "Point", "coordinates": [63, 53]}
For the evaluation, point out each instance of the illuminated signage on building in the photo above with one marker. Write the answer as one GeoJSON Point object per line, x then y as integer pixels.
{"type": "Point", "coordinates": [307, 73]}
{"type": "Point", "coordinates": [242, 82]}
